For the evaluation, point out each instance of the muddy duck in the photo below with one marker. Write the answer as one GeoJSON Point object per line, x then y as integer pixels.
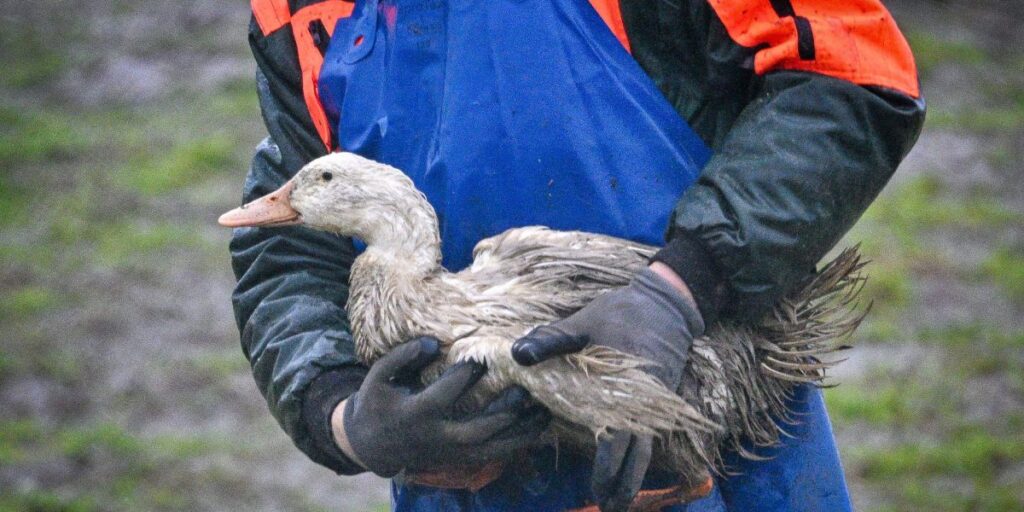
{"type": "Point", "coordinates": [735, 384]}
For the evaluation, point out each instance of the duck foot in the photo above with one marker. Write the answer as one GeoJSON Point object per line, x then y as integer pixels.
{"type": "Point", "coordinates": [654, 500]}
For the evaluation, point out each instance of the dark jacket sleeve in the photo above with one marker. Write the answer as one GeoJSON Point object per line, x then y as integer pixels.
{"type": "Point", "coordinates": [798, 158]}
{"type": "Point", "coordinates": [293, 282]}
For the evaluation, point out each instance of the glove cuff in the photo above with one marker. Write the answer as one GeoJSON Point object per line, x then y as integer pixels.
{"type": "Point", "coordinates": [688, 258]}
{"type": "Point", "coordinates": [321, 398]}
{"type": "Point", "coordinates": [660, 288]}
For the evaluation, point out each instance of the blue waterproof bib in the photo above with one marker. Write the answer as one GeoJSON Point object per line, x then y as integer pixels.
{"type": "Point", "coordinates": [509, 113]}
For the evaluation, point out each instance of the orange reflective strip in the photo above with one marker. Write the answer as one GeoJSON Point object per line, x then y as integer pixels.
{"type": "Point", "coordinates": [270, 14]}
{"type": "Point", "coordinates": [611, 13]}
{"type": "Point", "coordinates": [855, 40]}
{"type": "Point", "coordinates": [310, 59]}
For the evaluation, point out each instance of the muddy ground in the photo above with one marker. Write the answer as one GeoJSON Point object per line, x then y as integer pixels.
{"type": "Point", "coordinates": [125, 128]}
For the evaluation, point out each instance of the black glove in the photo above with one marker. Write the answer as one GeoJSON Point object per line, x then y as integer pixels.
{"type": "Point", "coordinates": [648, 318]}
{"type": "Point", "coordinates": [393, 423]}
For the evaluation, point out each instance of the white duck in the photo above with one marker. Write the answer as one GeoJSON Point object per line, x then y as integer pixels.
{"type": "Point", "coordinates": [734, 386]}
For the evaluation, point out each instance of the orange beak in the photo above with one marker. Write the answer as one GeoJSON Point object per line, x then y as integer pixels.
{"type": "Point", "coordinates": [273, 209]}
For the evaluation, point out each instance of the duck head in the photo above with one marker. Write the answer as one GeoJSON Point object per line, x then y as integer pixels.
{"type": "Point", "coordinates": [349, 195]}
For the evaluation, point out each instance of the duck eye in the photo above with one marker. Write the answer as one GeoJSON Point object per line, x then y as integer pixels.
{"type": "Point", "coordinates": [327, 176]}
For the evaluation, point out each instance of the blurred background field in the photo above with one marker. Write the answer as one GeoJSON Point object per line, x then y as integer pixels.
{"type": "Point", "coordinates": [126, 127]}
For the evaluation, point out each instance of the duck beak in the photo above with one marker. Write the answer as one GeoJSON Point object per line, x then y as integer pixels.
{"type": "Point", "coordinates": [273, 209]}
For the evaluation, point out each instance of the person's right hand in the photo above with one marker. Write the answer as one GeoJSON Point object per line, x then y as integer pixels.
{"type": "Point", "coordinates": [393, 423]}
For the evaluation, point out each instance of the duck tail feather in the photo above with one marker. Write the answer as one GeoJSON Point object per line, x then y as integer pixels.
{"type": "Point", "coordinates": [794, 345]}
{"type": "Point", "coordinates": [795, 340]}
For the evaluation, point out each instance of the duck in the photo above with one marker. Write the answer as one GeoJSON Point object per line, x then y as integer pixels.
{"type": "Point", "coordinates": [735, 386]}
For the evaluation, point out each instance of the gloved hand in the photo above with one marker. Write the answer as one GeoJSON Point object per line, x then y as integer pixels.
{"type": "Point", "coordinates": [649, 318]}
{"type": "Point", "coordinates": [392, 423]}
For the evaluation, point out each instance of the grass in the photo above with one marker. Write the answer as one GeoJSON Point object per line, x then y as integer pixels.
{"type": "Point", "coordinates": [14, 200]}
{"type": "Point", "coordinates": [123, 243]}
{"type": "Point", "coordinates": [138, 465]}
{"type": "Point", "coordinates": [30, 58]}
{"type": "Point", "coordinates": [972, 336]}
{"type": "Point", "coordinates": [14, 436]}
{"type": "Point", "coordinates": [889, 286]}
{"type": "Point", "coordinates": [892, 233]}
{"type": "Point", "coordinates": [108, 229]}
{"type": "Point", "coordinates": [972, 453]}
{"type": "Point", "coordinates": [932, 51]}
{"type": "Point", "coordinates": [979, 120]}
{"type": "Point", "coordinates": [893, 401]}
{"type": "Point", "coordinates": [1005, 267]}
{"type": "Point", "coordinates": [6, 365]}
{"type": "Point", "coordinates": [1002, 108]}
{"type": "Point", "coordinates": [27, 301]}
{"type": "Point", "coordinates": [921, 204]}
{"type": "Point", "coordinates": [237, 98]}
{"type": "Point", "coordinates": [44, 501]}
{"type": "Point", "coordinates": [977, 349]}
{"type": "Point", "coordinates": [182, 165]}
{"type": "Point", "coordinates": [32, 352]}
{"type": "Point", "coordinates": [941, 447]}
{"type": "Point", "coordinates": [998, 112]}
{"type": "Point", "coordinates": [32, 136]}
{"type": "Point", "coordinates": [80, 443]}
{"type": "Point", "coordinates": [221, 365]}
{"type": "Point", "coordinates": [885, 406]}
{"type": "Point", "coordinates": [915, 472]}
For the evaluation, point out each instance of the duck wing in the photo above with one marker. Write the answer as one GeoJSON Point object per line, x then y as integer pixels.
{"type": "Point", "coordinates": [587, 260]}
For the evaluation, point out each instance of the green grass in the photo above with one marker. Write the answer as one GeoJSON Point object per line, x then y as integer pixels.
{"type": "Point", "coordinates": [110, 229]}
{"type": "Point", "coordinates": [219, 366]}
{"type": "Point", "coordinates": [979, 120]}
{"type": "Point", "coordinates": [182, 165]}
{"type": "Point", "coordinates": [912, 494]}
{"type": "Point", "coordinates": [977, 349]}
{"type": "Point", "coordinates": [973, 335]}
{"type": "Point", "coordinates": [971, 453]}
{"type": "Point", "coordinates": [138, 471]}
{"type": "Point", "coordinates": [931, 51]}
{"type": "Point", "coordinates": [30, 57]}
{"type": "Point", "coordinates": [1000, 112]}
{"type": "Point", "coordinates": [914, 473]}
{"type": "Point", "coordinates": [7, 365]}
{"type": "Point", "coordinates": [885, 406]}
{"type": "Point", "coordinates": [107, 193]}
{"type": "Point", "coordinates": [14, 436]}
{"type": "Point", "coordinates": [1005, 267]}
{"type": "Point", "coordinates": [889, 286]}
{"type": "Point", "coordinates": [880, 325]}
{"type": "Point", "coordinates": [26, 301]}
{"type": "Point", "coordinates": [106, 437]}
{"type": "Point", "coordinates": [883, 399]}
{"type": "Point", "coordinates": [921, 204]}
{"type": "Point", "coordinates": [126, 242]}
{"type": "Point", "coordinates": [892, 229]}
{"type": "Point", "coordinates": [14, 200]}
{"type": "Point", "coordinates": [112, 439]}
{"type": "Point", "coordinates": [44, 501]}
{"type": "Point", "coordinates": [237, 98]}
{"type": "Point", "coordinates": [32, 136]}
{"type": "Point", "coordinates": [84, 189]}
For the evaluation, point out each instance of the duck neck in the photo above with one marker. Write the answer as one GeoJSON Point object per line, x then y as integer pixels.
{"type": "Point", "coordinates": [408, 240]}
{"type": "Point", "coordinates": [403, 249]}
{"type": "Point", "coordinates": [386, 284]}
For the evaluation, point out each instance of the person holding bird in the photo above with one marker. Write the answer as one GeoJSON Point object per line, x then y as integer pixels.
{"type": "Point", "coordinates": [742, 137]}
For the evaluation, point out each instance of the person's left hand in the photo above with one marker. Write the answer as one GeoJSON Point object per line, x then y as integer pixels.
{"type": "Point", "coordinates": [651, 318]}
